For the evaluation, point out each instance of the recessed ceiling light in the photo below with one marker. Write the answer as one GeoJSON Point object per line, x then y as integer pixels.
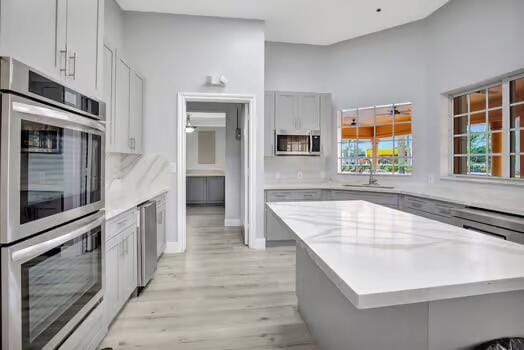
{"type": "Point", "coordinates": [379, 9]}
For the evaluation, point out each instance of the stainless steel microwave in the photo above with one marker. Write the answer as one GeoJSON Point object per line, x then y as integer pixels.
{"type": "Point", "coordinates": [297, 143]}
{"type": "Point", "coordinates": [51, 153]}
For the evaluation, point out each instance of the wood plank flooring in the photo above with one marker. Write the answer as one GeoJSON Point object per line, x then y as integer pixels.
{"type": "Point", "coordinates": [218, 295]}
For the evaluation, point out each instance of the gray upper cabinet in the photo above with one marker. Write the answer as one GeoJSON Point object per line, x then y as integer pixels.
{"type": "Point", "coordinates": [124, 94]}
{"type": "Point", "coordinates": [269, 123]}
{"type": "Point", "coordinates": [136, 114]}
{"type": "Point", "coordinates": [286, 111]}
{"type": "Point", "coordinates": [309, 112]}
{"type": "Point", "coordinates": [122, 106]}
{"type": "Point", "coordinates": [82, 44]}
{"type": "Point", "coordinates": [108, 96]}
{"type": "Point", "coordinates": [60, 38]}
{"type": "Point", "coordinates": [28, 33]}
{"type": "Point", "coordinates": [296, 111]}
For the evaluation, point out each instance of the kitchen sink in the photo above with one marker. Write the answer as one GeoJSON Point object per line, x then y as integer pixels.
{"type": "Point", "coordinates": [368, 186]}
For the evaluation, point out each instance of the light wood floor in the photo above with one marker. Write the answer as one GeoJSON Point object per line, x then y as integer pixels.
{"type": "Point", "coordinates": [218, 295]}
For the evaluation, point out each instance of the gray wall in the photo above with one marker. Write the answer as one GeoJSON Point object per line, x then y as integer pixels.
{"type": "Point", "coordinates": [175, 54]}
{"type": "Point", "coordinates": [464, 43]}
{"type": "Point", "coordinates": [114, 26]}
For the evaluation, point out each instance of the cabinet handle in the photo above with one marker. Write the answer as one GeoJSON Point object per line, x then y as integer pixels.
{"type": "Point", "coordinates": [64, 68]}
{"type": "Point", "coordinates": [73, 74]}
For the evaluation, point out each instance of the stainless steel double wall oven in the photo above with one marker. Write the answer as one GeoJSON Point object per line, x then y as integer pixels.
{"type": "Point", "coordinates": [51, 207]}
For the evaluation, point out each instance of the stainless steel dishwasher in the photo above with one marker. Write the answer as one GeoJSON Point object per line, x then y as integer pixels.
{"type": "Point", "coordinates": [147, 254]}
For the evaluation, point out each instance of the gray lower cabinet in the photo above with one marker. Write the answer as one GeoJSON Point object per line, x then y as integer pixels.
{"type": "Point", "coordinates": [429, 208]}
{"type": "Point", "coordinates": [275, 229]}
{"type": "Point", "coordinates": [385, 199]}
{"type": "Point", "coordinates": [205, 190]}
{"type": "Point", "coordinates": [215, 189]}
{"type": "Point", "coordinates": [121, 263]}
{"type": "Point", "coordinates": [161, 239]}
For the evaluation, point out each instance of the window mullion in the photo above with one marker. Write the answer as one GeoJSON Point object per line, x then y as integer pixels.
{"type": "Point", "coordinates": [505, 129]}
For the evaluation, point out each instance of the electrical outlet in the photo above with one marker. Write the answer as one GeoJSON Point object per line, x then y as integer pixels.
{"type": "Point", "coordinates": [300, 175]}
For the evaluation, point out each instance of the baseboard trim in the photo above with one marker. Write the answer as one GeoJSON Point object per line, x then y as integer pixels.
{"type": "Point", "coordinates": [232, 222]}
{"type": "Point", "coordinates": [260, 244]}
{"type": "Point", "coordinates": [173, 248]}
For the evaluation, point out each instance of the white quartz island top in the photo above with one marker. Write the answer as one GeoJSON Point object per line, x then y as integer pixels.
{"type": "Point", "coordinates": [380, 257]}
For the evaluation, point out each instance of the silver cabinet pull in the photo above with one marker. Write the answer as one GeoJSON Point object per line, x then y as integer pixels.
{"type": "Point", "coordinates": [73, 74]}
{"type": "Point", "coordinates": [63, 69]}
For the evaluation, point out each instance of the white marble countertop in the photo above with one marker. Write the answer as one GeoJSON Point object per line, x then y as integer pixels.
{"type": "Point", "coordinates": [193, 173]}
{"type": "Point", "coordinates": [379, 256]}
{"type": "Point", "coordinates": [454, 193]}
{"type": "Point", "coordinates": [116, 207]}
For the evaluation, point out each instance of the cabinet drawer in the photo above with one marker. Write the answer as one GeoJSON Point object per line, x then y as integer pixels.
{"type": "Point", "coordinates": [386, 199]}
{"type": "Point", "coordinates": [282, 196]}
{"type": "Point", "coordinates": [429, 206]}
{"type": "Point", "coordinates": [119, 223]}
{"type": "Point", "coordinates": [415, 203]}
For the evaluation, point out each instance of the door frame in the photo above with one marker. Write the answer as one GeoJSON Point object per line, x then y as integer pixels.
{"type": "Point", "coordinates": [182, 99]}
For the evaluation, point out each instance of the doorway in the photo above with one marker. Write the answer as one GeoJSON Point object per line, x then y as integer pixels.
{"type": "Point", "coordinates": [238, 211]}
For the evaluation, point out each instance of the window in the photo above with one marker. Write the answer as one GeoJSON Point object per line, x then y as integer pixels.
{"type": "Point", "coordinates": [378, 137]}
{"type": "Point", "coordinates": [487, 131]}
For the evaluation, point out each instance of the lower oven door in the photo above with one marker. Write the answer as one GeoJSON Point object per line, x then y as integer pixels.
{"type": "Point", "coordinates": [52, 167]}
{"type": "Point", "coordinates": [50, 283]}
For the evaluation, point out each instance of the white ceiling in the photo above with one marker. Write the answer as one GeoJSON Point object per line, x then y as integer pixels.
{"type": "Point", "coordinates": [319, 22]}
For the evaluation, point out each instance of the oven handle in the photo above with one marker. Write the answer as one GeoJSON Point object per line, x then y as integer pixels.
{"type": "Point", "coordinates": [23, 105]}
{"type": "Point", "coordinates": [39, 248]}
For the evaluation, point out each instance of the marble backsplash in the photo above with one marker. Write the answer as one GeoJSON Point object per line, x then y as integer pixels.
{"type": "Point", "coordinates": [132, 177]}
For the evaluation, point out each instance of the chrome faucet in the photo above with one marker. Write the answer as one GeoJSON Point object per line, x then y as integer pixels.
{"type": "Point", "coordinates": [372, 180]}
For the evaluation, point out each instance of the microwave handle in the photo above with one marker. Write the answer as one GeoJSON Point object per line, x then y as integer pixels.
{"type": "Point", "coordinates": [37, 249]}
{"type": "Point", "coordinates": [310, 150]}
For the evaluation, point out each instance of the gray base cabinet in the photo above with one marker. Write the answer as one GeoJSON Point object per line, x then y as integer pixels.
{"type": "Point", "coordinates": [205, 190]}
{"type": "Point", "coordinates": [275, 229]}
{"type": "Point", "coordinates": [161, 238]}
{"type": "Point", "coordinates": [428, 208]}
{"type": "Point", "coordinates": [121, 262]}
{"type": "Point", "coordinates": [385, 199]}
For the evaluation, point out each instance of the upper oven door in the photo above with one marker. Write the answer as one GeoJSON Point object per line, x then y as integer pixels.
{"type": "Point", "coordinates": [52, 167]}
{"type": "Point", "coordinates": [51, 282]}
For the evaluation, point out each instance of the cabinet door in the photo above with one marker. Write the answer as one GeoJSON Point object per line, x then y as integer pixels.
{"type": "Point", "coordinates": [82, 39]}
{"type": "Point", "coordinates": [122, 95]}
{"type": "Point", "coordinates": [108, 96]}
{"type": "Point", "coordinates": [111, 282]}
{"type": "Point", "coordinates": [309, 112]}
{"type": "Point", "coordinates": [29, 33]}
{"type": "Point", "coordinates": [136, 113]}
{"type": "Point", "coordinates": [196, 189]}
{"type": "Point", "coordinates": [215, 189]}
{"type": "Point", "coordinates": [269, 124]}
{"type": "Point", "coordinates": [130, 263]}
{"type": "Point", "coordinates": [160, 228]}
{"type": "Point", "coordinates": [275, 229]}
{"type": "Point", "coordinates": [286, 111]}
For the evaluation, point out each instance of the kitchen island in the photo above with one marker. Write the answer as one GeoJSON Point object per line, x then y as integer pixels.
{"type": "Point", "coordinates": [372, 277]}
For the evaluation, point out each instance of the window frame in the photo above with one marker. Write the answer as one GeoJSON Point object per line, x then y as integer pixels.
{"type": "Point", "coordinates": [505, 131]}
{"type": "Point", "coordinates": [340, 116]}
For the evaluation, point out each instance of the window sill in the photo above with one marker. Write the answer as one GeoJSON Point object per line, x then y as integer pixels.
{"type": "Point", "coordinates": [488, 181]}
